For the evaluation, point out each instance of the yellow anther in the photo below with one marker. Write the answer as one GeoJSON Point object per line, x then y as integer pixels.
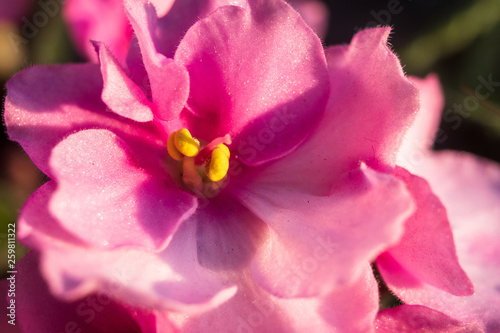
{"type": "Point", "coordinates": [218, 165]}
{"type": "Point", "coordinates": [224, 149]}
{"type": "Point", "coordinates": [172, 150]}
{"type": "Point", "coordinates": [185, 143]}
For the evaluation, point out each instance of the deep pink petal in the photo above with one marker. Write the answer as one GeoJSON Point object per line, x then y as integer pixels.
{"type": "Point", "coordinates": [169, 80]}
{"type": "Point", "coordinates": [46, 104]}
{"type": "Point", "coordinates": [40, 312]}
{"type": "Point", "coordinates": [420, 137]}
{"type": "Point", "coordinates": [371, 103]}
{"type": "Point", "coordinates": [426, 252]}
{"type": "Point", "coordinates": [257, 74]}
{"type": "Point", "coordinates": [318, 242]}
{"type": "Point", "coordinates": [348, 309]}
{"type": "Point", "coordinates": [415, 318]}
{"type": "Point", "coordinates": [171, 280]}
{"type": "Point", "coordinates": [104, 198]}
{"type": "Point", "coordinates": [120, 93]}
{"type": "Point", "coordinates": [103, 21]}
{"type": "Point", "coordinates": [470, 190]}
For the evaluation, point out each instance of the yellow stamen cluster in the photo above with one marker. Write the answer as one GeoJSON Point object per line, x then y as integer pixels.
{"type": "Point", "coordinates": [181, 146]}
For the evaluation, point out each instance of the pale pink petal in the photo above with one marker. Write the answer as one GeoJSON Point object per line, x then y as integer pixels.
{"type": "Point", "coordinates": [106, 199]}
{"type": "Point", "coordinates": [416, 318]}
{"type": "Point", "coordinates": [103, 21]}
{"type": "Point", "coordinates": [39, 312]}
{"type": "Point", "coordinates": [169, 80]}
{"type": "Point", "coordinates": [319, 242]}
{"type": "Point", "coordinates": [171, 280]}
{"type": "Point", "coordinates": [348, 309]}
{"type": "Point", "coordinates": [168, 280]}
{"type": "Point", "coordinates": [352, 308]}
{"type": "Point", "coordinates": [46, 104]}
{"type": "Point", "coordinates": [371, 103]}
{"type": "Point", "coordinates": [120, 93]}
{"type": "Point", "coordinates": [37, 228]}
{"type": "Point", "coordinates": [315, 13]}
{"type": "Point", "coordinates": [470, 190]}
{"type": "Point", "coordinates": [420, 137]}
{"type": "Point", "coordinates": [371, 93]}
{"type": "Point", "coordinates": [426, 252]}
{"type": "Point", "coordinates": [258, 74]}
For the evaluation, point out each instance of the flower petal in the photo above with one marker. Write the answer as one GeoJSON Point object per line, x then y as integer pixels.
{"type": "Point", "coordinates": [348, 309]}
{"type": "Point", "coordinates": [169, 80]}
{"type": "Point", "coordinates": [227, 234]}
{"type": "Point", "coordinates": [171, 280]}
{"type": "Point", "coordinates": [120, 93]}
{"type": "Point", "coordinates": [428, 230]}
{"type": "Point", "coordinates": [37, 227]}
{"type": "Point", "coordinates": [104, 198]}
{"type": "Point", "coordinates": [319, 242]}
{"type": "Point", "coordinates": [371, 103]}
{"type": "Point", "coordinates": [183, 14]}
{"type": "Point", "coordinates": [170, 30]}
{"type": "Point", "coordinates": [469, 188]}
{"type": "Point", "coordinates": [39, 312]}
{"type": "Point", "coordinates": [45, 104]}
{"type": "Point", "coordinates": [315, 14]}
{"type": "Point", "coordinates": [258, 74]}
{"type": "Point", "coordinates": [370, 92]}
{"type": "Point", "coordinates": [103, 21]}
{"type": "Point", "coordinates": [416, 318]}
{"type": "Point", "coordinates": [420, 136]}
{"type": "Point", "coordinates": [162, 6]}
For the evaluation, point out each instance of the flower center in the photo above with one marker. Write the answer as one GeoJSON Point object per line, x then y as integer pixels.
{"type": "Point", "coordinates": [200, 167]}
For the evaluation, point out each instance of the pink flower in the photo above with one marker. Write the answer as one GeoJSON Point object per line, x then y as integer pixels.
{"type": "Point", "coordinates": [284, 239]}
{"type": "Point", "coordinates": [469, 189]}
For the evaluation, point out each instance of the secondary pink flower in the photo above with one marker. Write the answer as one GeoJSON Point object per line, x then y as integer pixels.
{"type": "Point", "coordinates": [469, 188]}
{"type": "Point", "coordinates": [119, 208]}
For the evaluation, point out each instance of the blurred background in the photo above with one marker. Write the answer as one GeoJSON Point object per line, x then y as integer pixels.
{"type": "Point", "coordinates": [459, 40]}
